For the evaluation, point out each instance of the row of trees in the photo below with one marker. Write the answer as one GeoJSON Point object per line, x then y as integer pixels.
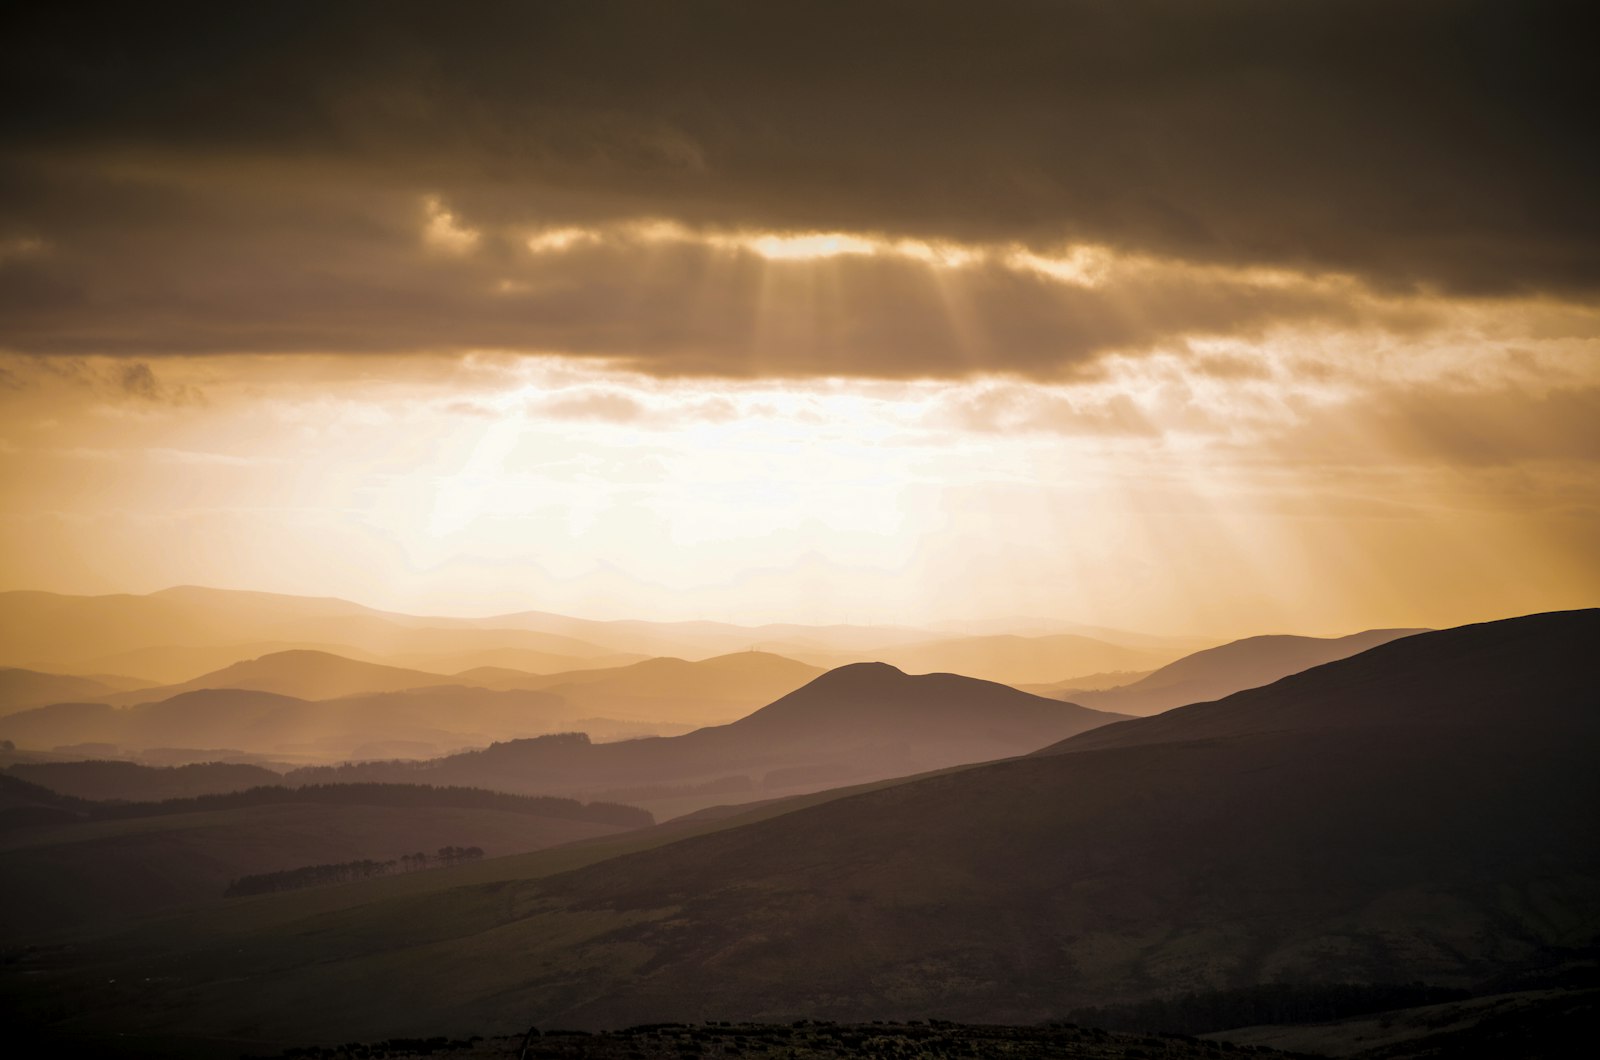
{"type": "Point", "coordinates": [442, 858]}
{"type": "Point", "coordinates": [347, 871]}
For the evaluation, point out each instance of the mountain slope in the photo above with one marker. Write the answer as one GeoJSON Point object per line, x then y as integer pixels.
{"type": "Point", "coordinates": [24, 689]}
{"type": "Point", "coordinates": [131, 782]}
{"type": "Point", "coordinates": [1228, 668]}
{"type": "Point", "coordinates": [857, 723]}
{"type": "Point", "coordinates": [1005, 658]}
{"type": "Point", "coordinates": [1424, 811]}
{"type": "Point", "coordinates": [301, 674]}
{"type": "Point", "coordinates": [1479, 675]}
{"type": "Point", "coordinates": [125, 861]}
{"type": "Point", "coordinates": [665, 690]}
{"type": "Point", "coordinates": [414, 723]}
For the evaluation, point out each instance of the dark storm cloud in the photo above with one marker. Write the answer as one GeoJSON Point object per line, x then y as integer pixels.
{"type": "Point", "coordinates": [198, 177]}
{"type": "Point", "coordinates": [355, 276]}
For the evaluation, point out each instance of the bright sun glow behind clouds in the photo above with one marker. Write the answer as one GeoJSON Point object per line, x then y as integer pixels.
{"type": "Point", "coordinates": [1218, 491]}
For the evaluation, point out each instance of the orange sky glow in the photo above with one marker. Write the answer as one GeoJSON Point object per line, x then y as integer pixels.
{"type": "Point", "coordinates": [828, 328]}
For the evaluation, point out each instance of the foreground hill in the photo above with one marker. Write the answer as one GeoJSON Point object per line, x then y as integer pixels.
{"type": "Point", "coordinates": [857, 723]}
{"type": "Point", "coordinates": [1225, 669]}
{"type": "Point", "coordinates": [1424, 811]}
{"type": "Point", "coordinates": [96, 863]}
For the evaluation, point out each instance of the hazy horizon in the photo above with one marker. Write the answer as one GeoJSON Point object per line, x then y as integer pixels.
{"type": "Point", "coordinates": [970, 625]}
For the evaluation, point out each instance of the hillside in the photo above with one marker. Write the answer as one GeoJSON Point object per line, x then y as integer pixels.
{"type": "Point", "coordinates": [128, 781]}
{"type": "Point", "coordinates": [301, 674]}
{"type": "Point", "coordinates": [25, 689]}
{"type": "Point", "coordinates": [1223, 670]}
{"type": "Point", "coordinates": [410, 724]}
{"type": "Point", "coordinates": [854, 724]}
{"type": "Point", "coordinates": [120, 861]}
{"type": "Point", "coordinates": [708, 691]}
{"type": "Point", "coordinates": [1420, 812]}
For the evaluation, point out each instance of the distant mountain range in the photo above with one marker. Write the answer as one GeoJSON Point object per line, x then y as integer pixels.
{"type": "Point", "coordinates": [719, 689]}
{"type": "Point", "coordinates": [418, 723]}
{"type": "Point", "coordinates": [367, 710]}
{"type": "Point", "coordinates": [1006, 658]}
{"type": "Point", "coordinates": [860, 722]}
{"type": "Point", "coordinates": [23, 689]}
{"type": "Point", "coordinates": [175, 635]}
{"type": "Point", "coordinates": [1420, 812]}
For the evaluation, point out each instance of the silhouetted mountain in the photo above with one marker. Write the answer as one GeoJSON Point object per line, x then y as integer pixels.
{"type": "Point", "coordinates": [174, 664]}
{"type": "Point", "coordinates": [1025, 626]}
{"type": "Point", "coordinates": [515, 660]}
{"type": "Point", "coordinates": [667, 690]}
{"type": "Point", "coordinates": [131, 782]}
{"type": "Point", "coordinates": [301, 674]}
{"type": "Point", "coordinates": [54, 631]}
{"type": "Point", "coordinates": [24, 804]}
{"type": "Point", "coordinates": [416, 723]}
{"type": "Point", "coordinates": [1421, 812]}
{"type": "Point", "coordinates": [1220, 671]}
{"type": "Point", "coordinates": [24, 689]}
{"type": "Point", "coordinates": [857, 723]}
{"type": "Point", "coordinates": [1008, 659]}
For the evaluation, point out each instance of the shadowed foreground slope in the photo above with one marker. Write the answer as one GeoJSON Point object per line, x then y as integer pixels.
{"type": "Point", "coordinates": [1412, 841]}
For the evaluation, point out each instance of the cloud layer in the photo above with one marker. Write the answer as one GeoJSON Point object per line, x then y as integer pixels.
{"type": "Point", "coordinates": [377, 178]}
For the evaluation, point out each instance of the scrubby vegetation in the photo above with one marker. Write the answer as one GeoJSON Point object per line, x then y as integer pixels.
{"type": "Point", "coordinates": [345, 871]}
{"type": "Point", "coordinates": [806, 1040]}
{"type": "Point", "coordinates": [1217, 1010]}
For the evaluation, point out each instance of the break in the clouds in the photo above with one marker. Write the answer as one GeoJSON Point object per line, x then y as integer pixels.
{"type": "Point", "coordinates": [783, 189]}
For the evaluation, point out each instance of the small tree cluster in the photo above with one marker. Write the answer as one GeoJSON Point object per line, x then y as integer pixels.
{"type": "Point", "coordinates": [308, 876]}
{"type": "Point", "coordinates": [346, 871]}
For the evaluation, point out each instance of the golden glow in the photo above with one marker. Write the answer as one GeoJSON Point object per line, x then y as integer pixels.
{"type": "Point", "coordinates": [1399, 459]}
{"type": "Point", "coordinates": [1080, 264]}
{"type": "Point", "coordinates": [1155, 495]}
{"type": "Point", "coordinates": [443, 229]}
{"type": "Point", "coordinates": [558, 239]}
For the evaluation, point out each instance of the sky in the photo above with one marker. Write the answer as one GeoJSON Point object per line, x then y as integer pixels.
{"type": "Point", "coordinates": [1218, 318]}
